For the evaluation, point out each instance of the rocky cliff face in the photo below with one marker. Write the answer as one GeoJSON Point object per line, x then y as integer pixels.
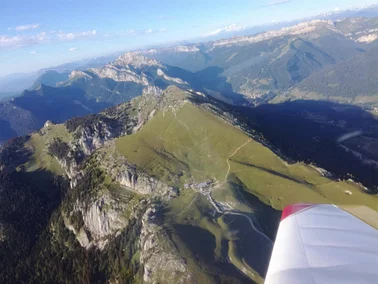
{"type": "Point", "coordinates": [136, 60]}
{"type": "Point", "coordinates": [161, 261]}
{"type": "Point", "coordinates": [71, 167]}
{"type": "Point", "coordinates": [94, 136]}
{"type": "Point", "coordinates": [97, 217]}
{"type": "Point", "coordinates": [92, 133]}
{"type": "Point", "coordinates": [143, 184]}
{"type": "Point", "coordinates": [100, 219]}
{"type": "Point", "coordinates": [127, 175]}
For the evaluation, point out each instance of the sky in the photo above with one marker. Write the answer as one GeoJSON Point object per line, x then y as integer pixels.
{"type": "Point", "coordinates": [43, 33]}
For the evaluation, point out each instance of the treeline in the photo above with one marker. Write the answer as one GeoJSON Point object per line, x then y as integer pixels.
{"type": "Point", "coordinates": [26, 204]}
{"type": "Point", "coordinates": [348, 79]}
{"type": "Point", "coordinates": [36, 246]}
{"type": "Point", "coordinates": [14, 153]}
{"type": "Point", "coordinates": [91, 121]}
{"type": "Point", "coordinates": [57, 256]}
{"type": "Point", "coordinates": [62, 151]}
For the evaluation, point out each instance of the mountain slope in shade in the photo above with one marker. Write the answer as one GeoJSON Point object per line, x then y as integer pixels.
{"type": "Point", "coordinates": [351, 81]}
{"type": "Point", "coordinates": [50, 78]}
{"type": "Point", "coordinates": [29, 112]}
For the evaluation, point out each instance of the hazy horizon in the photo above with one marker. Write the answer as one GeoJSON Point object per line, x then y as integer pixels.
{"type": "Point", "coordinates": [67, 31]}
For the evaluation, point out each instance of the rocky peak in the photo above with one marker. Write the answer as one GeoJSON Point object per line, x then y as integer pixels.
{"type": "Point", "coordinates": [79, 74]}
{"type": "Point", "coordinates": [158, 254]}
{"type": "Point", "coordinates": [136, 60]}
{"type": "Point", "coordinates": [48, 123]}
{"type": "Point", "coordinates": [152, 91]}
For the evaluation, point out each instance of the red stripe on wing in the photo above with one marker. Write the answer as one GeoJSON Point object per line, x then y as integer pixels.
{"type": "Point", "coordinates": [294, 209]}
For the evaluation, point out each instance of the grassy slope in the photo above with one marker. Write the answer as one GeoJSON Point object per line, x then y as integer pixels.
{"type": "Point", "coordinates": [40, 141]}
{"type": "Point", "coordinates": [204, 241]}
{"type": "Point", "coordinates": [190, 145]}
{"type": "Point", "coordinates": [196, 145]}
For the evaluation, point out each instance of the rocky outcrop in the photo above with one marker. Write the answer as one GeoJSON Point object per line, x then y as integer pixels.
{"type": "Point", "coordinates": [136, 60]}
{"type": "Point", "coordinates": [129, 177]}
{"type": "Point", "coordinates": [152, 91]}
{"type": "Point", "coordinates": [76, 74]}
{"type": "Point", "coordinates": [71, 166]}
{"type": "Point", "coordinates": [48, 124]}
{"type": "Point", "coordinates": [120, 74]}
{"type": "Point", "coordinates": [94, 137]}
{"type": "Point", "coordinates": [103, 218]}
{"type": "Point", "coordinates": [158, 255]}
{"type": "Point", "coordinates": [90, 135]}
{"type": "Point", "coordinates": [166, 77]}
{"type": "Point", "coordinates": [80, 234]}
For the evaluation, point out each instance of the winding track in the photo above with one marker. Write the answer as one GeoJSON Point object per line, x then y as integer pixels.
{"type": "Point", "coordinates": [228, 161]}
{"type": "Point", "coordinates": [212, 201]}
{"type": "Point", "coordinates": [251, 223]}
{"type": "Point", "coordinates": [236, 213]}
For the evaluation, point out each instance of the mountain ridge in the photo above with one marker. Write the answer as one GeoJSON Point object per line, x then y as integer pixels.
{"type": "Point", "coordinates": [89, 91]}
{"type": "Point", "coordinates": [154, 174]}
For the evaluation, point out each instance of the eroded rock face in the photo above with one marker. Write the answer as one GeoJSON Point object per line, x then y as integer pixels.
{"type": "Point", "coordinates": [103, 218]}
{"type": "Point", "coordinates": [89, 138]}
{"type": "Point", "coordinates": [71, 167]}
{"type": "Point", "coordinates": [136, 60]}
{"type": "Point", "coordinates": [48, 123]}
{"type": "Point", "coordinates": [120, 75]}
{"type": "Point", "coordinates": [127, 175]}
{"type": "Point", "coordinates": [143, 184]}
{"type": "Point", "coordinates": [94, 138]}
{"type": "Point", "coordinates": [161, 261]}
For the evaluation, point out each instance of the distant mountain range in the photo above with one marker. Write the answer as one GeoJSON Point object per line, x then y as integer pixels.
{"type": "Point", "coordinates": [83, 92]}
{"type": "Point", "coordinates": [368, 11]}
{"type": "Point", "coordinates": [14, 84]}
{"type": "Point", "coordinates": [267, 64]}
{"type": "Point", "coordinates": [290, 63]}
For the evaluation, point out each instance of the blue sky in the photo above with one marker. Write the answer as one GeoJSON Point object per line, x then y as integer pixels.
{"type": "Point", "coordinates": [43, 33]}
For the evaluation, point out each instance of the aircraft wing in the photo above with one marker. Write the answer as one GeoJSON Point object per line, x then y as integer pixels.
{"type": "Point", "coordinates": [319, 244]}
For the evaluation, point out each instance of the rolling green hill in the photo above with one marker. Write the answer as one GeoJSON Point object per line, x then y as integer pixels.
{"type": "Point", "coordinates": [192, 144]}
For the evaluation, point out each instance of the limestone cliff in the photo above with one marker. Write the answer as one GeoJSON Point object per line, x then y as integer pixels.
{"type": "Point", "coordinates": [161, 261]}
